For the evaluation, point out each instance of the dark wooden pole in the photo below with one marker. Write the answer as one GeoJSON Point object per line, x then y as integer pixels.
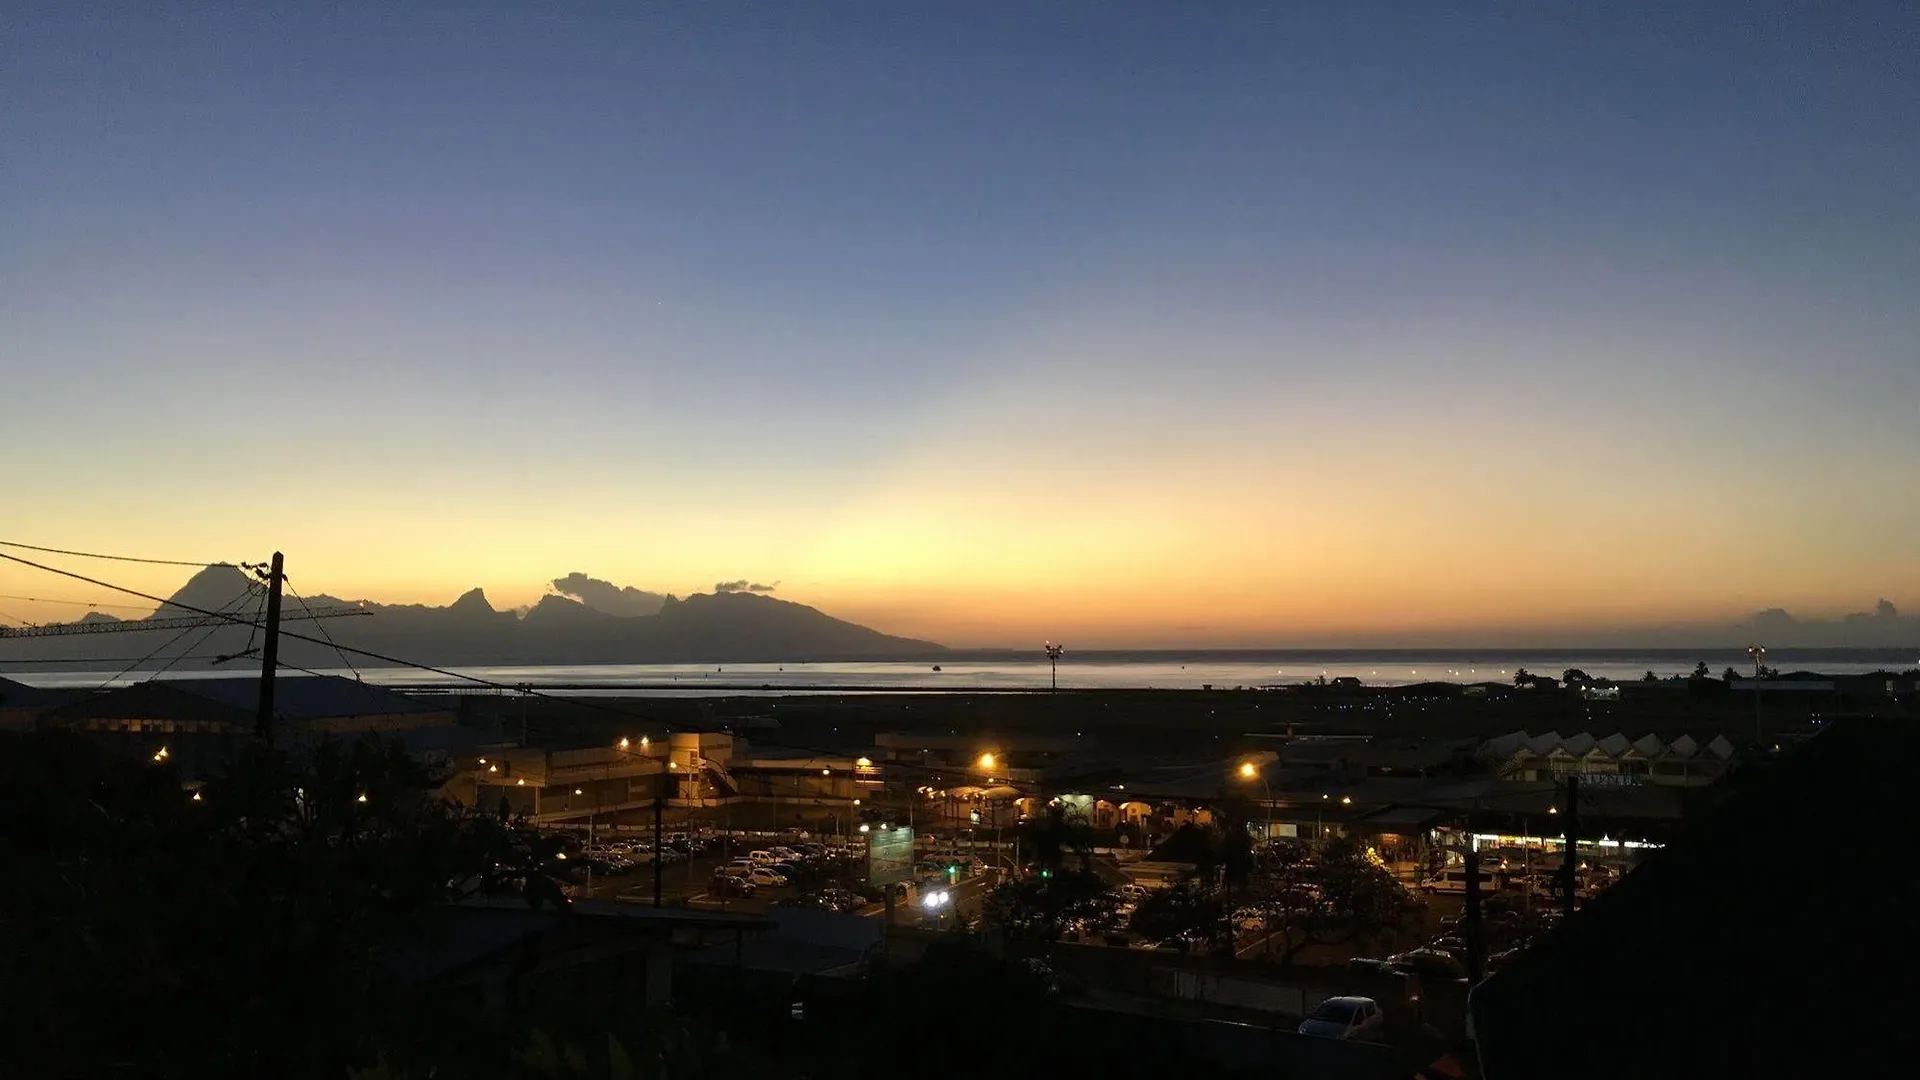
{"type": "Point", "coordinates": [270, 649]}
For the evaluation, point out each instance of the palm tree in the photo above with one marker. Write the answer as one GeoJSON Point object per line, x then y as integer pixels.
{"type": "Point", "coordinates": [1523, 677]}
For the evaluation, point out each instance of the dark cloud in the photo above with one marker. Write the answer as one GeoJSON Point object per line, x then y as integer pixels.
{"type": "Point", "coordinates": [606, 597]}
{"type": "Point", "coordinates": [743, 585]}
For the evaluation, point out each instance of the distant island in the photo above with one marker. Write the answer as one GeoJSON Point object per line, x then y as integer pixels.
{"type": "Point", "coordinates": [737, 623]}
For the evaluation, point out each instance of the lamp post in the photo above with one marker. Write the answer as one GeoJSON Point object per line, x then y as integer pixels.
{"type": "Point", "coordinates": [1054, 650]}
{"type": "Point", "coordinates": [1757, 653]}
{"type": "Point", "coordinates": [1248, 771]}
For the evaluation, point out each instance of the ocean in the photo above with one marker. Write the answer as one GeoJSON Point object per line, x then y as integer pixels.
{"type": "Point", "coordinates": [1090, 671]}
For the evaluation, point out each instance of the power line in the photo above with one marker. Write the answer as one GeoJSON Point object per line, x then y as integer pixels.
{"type": "Point", "coordinates": [322, 627]}
{"type": "Point", "coordinates": [102, 659]}
{"type": "Point", "coordinates": [74, 603]}
{"type": "Point", "coordinates": [212, 617]}
{"type": "Point", "coordinates": [528, 691]}
{"type": "Point", "coordinates": [113, 558]}
{"type": "Point", "coordinates": [212, 628]}
{"type": "Point", "coordinates": [586, 703]}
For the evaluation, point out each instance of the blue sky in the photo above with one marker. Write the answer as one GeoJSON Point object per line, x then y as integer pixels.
{"type": "Point", "coordinates": [980, 320]}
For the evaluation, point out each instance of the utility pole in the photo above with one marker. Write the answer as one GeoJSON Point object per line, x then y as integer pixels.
{"type": "Point", "coordinates": [1570, 867]}
{"type": "Point", "coordinates": [1476, 933]}
{"type": "Point", "coordinates": [270, 649]}
{"type": "Point", "coordinates": [658, 804]}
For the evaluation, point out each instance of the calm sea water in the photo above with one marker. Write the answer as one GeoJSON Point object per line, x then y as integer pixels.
{"type": "Point", "coordinates": [1092, 672]}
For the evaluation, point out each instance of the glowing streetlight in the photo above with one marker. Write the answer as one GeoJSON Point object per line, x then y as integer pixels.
{"type": "Point", "coordinates": [196, 796]}
{"type": "Point", "coordinates": [863, 762]}
{"type": "Point", "coordinates": [362, 798]}
{"type": "Point", "coordinates": [865, 828]}
{"type": "Point", "coordinates": [1346, 800]}
{"type": "Point", "coordinates": [493, 768]}
{"type": "Point", "coordinates": [826, 772]}
{"type": "Point", "coordinates": [1248, 771]}
{"type": "Point", "coordinates": [986, 760]}
{"type": "Point", "coordinates": [577, 791]}
{"type": "Point", "coordinates": [160, 754]}
{"type": "Point", "coordinates": [624, 742]}
{"type": "Point", "coordinates": [522, 782]}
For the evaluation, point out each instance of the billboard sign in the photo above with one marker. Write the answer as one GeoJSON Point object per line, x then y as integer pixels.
{"type": "Point", "coordinates": [889, 855]}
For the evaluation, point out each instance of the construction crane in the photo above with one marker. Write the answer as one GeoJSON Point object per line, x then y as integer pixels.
{"type": "Point", "coordinates": [185, 622]}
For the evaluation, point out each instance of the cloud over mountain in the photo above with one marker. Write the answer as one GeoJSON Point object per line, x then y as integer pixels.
{"type": "Point", "coordinates": [608, 598]}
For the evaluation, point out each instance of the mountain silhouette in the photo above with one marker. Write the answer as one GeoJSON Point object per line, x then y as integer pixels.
{"type": "Point", "coordinates": [734, 627]}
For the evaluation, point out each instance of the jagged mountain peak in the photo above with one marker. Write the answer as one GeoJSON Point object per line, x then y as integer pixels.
{"type": "Point", "coordinates": [209, 589]}
{"type": "Point", "coordinates": [474, 600]}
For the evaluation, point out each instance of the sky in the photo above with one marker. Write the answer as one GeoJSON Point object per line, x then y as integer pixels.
{"type": "Point", "coordinates": [1124, 324]}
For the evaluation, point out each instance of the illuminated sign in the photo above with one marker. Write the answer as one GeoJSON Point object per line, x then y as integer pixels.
{"type": "Point", "coordinates": [889, 855]}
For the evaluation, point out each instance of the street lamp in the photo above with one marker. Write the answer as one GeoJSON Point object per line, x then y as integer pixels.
{"type": "Point", "coordinates": [1053, 658]}
{"type": "Point", "coordinates": [1248, 770]}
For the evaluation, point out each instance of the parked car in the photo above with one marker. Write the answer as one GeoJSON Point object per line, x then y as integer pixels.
{"type": "Point", "coordinates": [730, 885]}
{"type": "Point", "coordinates": [1345, 1018]}
{"type": "Point", "coordinates": [763, 875]}
{"type": "Point", "coordinates": [1372, 966]}
{"type": "Point", "coordinates": [761, 857]}
{"type": "Point", "coordinates": [1429, 964]}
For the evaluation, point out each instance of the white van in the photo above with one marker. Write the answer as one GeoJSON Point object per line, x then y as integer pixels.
{"type": "Point", "coordinates": [1454, 880]}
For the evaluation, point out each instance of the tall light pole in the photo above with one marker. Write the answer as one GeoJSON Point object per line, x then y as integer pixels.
{"type": "Point", "coordinates": [1757, 653]}
{"type": "Point", "coordinates": [1248, 771]}
{"type": "Point", "coordinates": [1053, 658]}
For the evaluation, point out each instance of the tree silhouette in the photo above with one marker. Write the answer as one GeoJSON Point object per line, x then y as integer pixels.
{"type": "Point", "coordinates": [1701, 672]}
{"type": "Point", "coordinates": [1523, 677]}
{"type": "Point", "coordinates": [234, 930]}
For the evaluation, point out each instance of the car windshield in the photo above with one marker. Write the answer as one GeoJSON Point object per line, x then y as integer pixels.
{"type": "Point", "coordinates": [1334, 1012]}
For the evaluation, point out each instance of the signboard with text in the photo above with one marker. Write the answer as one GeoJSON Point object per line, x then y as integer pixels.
{"type": "Point", "coordinates": [889, 855]}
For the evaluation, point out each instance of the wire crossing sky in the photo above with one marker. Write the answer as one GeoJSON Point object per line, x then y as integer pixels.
{"type": "Point", "coordinates": [1128, 324]}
